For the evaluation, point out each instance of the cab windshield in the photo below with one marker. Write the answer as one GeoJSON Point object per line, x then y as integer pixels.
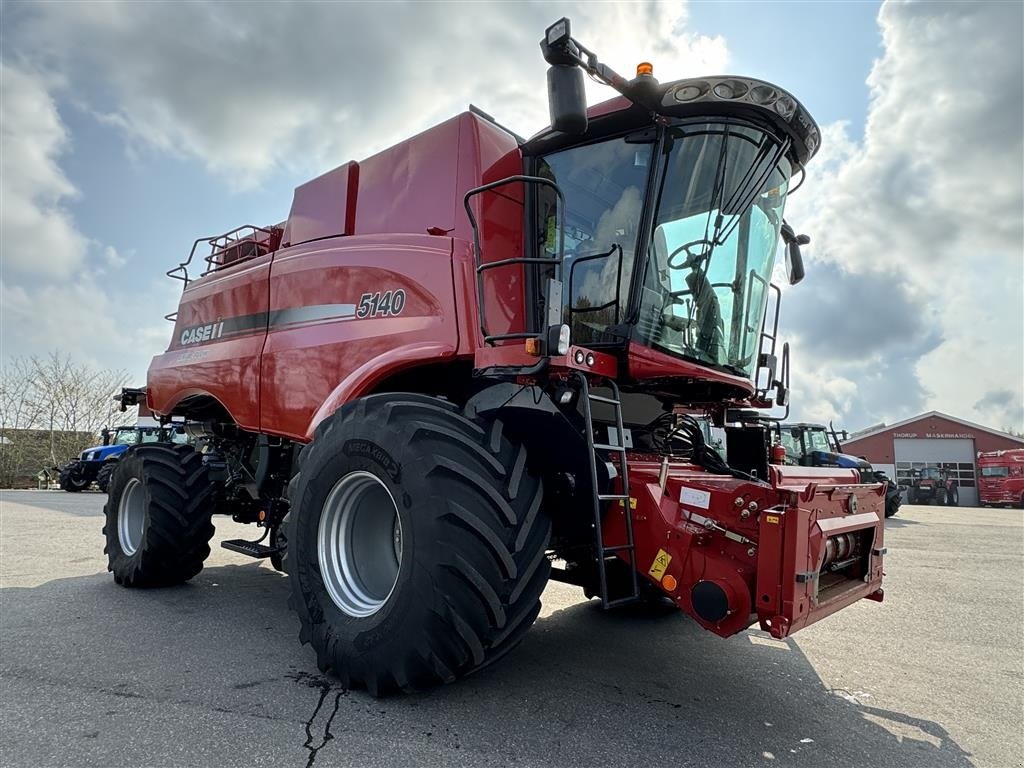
{"type": "Point", "coordinates": [126, 437]}
{"type": "Point", "coordinates": [995, 471]}
{"type": "Point", "coordinates": [719, 211]}
{"type": "Point", "coordinates": [817, 440]}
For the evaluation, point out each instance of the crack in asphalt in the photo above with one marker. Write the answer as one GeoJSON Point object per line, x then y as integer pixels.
{"type": "Point", "coordinates": [325, 687]}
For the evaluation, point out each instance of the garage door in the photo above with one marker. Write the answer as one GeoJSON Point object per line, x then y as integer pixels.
{"type": "Point", "coordinates": [955, 456]}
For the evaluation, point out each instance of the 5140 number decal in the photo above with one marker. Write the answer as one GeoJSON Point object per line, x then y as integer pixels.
{"type": "Point", "coordinates": [381, 304]}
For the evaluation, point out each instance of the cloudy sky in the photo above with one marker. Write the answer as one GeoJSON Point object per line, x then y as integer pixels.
{"type": "Point", "coordinates": [130, 129]}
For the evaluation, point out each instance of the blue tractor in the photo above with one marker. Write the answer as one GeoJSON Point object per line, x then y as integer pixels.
{"type": "Point", "coordinates": [814, 445]}
{"type": "Point", "coordinates": [96, 464]}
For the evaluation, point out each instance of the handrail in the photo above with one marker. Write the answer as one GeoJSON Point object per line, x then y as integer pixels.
{"type": "Point", "coordinates": [478, 256]}
{"type": "Point", "coordinates": [218, 245]}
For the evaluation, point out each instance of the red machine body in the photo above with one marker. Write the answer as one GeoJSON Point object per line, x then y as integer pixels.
{"type": "Point", "coordinates": [370, 285]}
{"type": "Point", "coordinates": [732, 553]}
{"type": "Point", "coordinates": [1001, 477]}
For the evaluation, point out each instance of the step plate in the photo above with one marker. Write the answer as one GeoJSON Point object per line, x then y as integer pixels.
{"type": "Point", "coordinates": [250, 548]}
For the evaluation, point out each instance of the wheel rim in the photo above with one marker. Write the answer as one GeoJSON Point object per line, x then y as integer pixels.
{"type": "Point", "coordinates": [359, 544]}
{"type": "Point", "coordinates": [131, 516]}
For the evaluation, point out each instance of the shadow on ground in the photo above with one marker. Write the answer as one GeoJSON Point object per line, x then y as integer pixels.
{"type": "Point", "coordinates": [217, 662]}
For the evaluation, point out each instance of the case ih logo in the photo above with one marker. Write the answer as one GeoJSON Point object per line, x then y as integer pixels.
{"type": "Point", "coordinates": [199, 333]}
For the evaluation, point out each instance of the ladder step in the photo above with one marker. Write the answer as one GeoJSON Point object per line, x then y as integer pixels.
{"type": "Point", "coordinates": [619, 548]}
{"type": "Point", "coordinates": [630, 600]}
{"type": "Point", "coordinates": [604, 447]}
{"type": "Point", "coordinates": [611, 497]}
{"type": "Point", "coordinates": [602, 399]}
{"type": "Point", "coordinates": [250, 548]}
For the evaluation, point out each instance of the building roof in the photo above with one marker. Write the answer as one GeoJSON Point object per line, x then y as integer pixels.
{"type": "Point", "coordinates": [872, 431]}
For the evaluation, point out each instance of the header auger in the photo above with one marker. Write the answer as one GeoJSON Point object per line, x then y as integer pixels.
{"type": "Point", "coordinates": [472, 356]}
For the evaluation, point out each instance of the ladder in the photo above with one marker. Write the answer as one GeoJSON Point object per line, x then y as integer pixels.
{"type": "Point", "coordinates": [604, 552]}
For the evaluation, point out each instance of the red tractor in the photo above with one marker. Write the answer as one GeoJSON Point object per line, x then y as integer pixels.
{"type": "Point", "coordinates": [466, 365]}
{"type": "Point", "coordinates": [933, 485]}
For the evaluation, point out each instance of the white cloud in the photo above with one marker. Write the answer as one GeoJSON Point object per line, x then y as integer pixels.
{"type": "Point", "coordinates": [37, 234]}
{"type": "Point", "coordinates": [250, 88]}
{"type": "Point", "coordinates": [113, 258]}
{"type": "Point", "coordinates": [914, 289]}
{"type": "Point", "coordinates": [87, 320]}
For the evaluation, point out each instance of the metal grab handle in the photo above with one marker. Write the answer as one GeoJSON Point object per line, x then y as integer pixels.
{"type": "Point", "coordinates": [478, 256]}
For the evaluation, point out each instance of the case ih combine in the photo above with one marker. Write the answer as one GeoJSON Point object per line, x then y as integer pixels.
{"type": "Point", "coordinates": [466, 360]}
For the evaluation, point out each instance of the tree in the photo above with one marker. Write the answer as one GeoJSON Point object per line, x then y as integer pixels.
{"type": "Point", "coordinates": [57, 402]}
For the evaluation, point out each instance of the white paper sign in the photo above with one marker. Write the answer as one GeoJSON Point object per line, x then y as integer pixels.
{"type": "Point", "coordinates": [695, 497]}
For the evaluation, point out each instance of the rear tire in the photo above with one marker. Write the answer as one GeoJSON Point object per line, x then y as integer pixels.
{"type": "Point", "coordinates": [158, 514]}
{"type": "Point", "coordinates": [450, 532]}
{"type": "Point", "coordinates": [104, 475]}
{"type": "Point", "coordinates": [892, 506]}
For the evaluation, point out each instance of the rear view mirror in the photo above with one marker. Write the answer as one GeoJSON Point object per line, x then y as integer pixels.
{"type": "Point", "coordinates": [567, 101]}
{"type": "Point", "coordinates": [794, 259]}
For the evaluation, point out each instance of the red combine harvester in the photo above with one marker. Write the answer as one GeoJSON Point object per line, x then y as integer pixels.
{"type": "Point", "coordinates": [1001, 477]}
{"type": "Point", "coordinates": [472, 357]}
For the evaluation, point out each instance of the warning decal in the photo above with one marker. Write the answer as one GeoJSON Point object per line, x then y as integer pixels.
{"type": "Point", "coordinates": [773, 519]}
{"type": "Point", "coordinates": [660, 565]}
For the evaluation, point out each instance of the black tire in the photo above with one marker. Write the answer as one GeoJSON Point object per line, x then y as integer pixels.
{"type": "Point", "coordinates": [953, 497]}
{"type": "Point", "coordinates": [911, 496]}
{"type": "Point", "coordinates": [177, 502]}
{"type": "Point", "coordinates": [892, 506]}
{"type": "Point", "coordinates": [71, 481]}
{"type": "Point", "coordinates": [469, 510]}
{"type": "Point", "coordinates": [940, 497]}
{"type": "Point", "coordinates": [277, 539]}
{"type": "Point", "coordinates": [104, 475]}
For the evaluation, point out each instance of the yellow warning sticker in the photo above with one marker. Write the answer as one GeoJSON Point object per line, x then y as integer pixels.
{"type": "Point", "coordinates": [632, 503]}
{"type": "Point", "coordinates": [660, 565]}
{"type": "Point", "coordinates": [773, 519]}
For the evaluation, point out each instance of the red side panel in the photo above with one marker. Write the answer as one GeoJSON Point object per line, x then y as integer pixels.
{"type": "Point", "coordinates": [324, 207]}
{"type": "Point", "coordinates": [412, 186]}
{"type": "Point", "coordinates": [647, 363]}
{"type": "Point", "coordinates": [347, 312]}
{"type": "Point", "coordinates": [216, 345]}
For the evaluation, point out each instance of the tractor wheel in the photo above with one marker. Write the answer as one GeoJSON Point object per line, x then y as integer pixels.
{"type": "Point", "coordinates": [416, 545]}
{"type": "Point", "coordinates": [104, 475]}
{"type": "Point", "coordinates": [71, 481]}
{"type": "Point", "coordinates": [158, 513]}
{"type": "Point", "coordinates": [940, 497]}
{"type": "Point", "coordinates": [953, 497]}
{"type": "Point", "coordinates": [892, 506]}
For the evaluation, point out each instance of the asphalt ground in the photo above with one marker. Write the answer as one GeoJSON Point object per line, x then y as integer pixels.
{"type": "Point", "coordinates": [212, 673]}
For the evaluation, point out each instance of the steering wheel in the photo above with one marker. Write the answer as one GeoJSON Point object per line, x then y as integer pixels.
{"type": "Point", "coordinates": [692, 259]}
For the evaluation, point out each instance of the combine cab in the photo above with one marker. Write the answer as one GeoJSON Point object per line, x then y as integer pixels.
{"type": "Point", "coordinates": [469, 364]}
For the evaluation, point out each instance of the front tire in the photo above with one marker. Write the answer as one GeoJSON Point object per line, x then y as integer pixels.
{"type": "Point", "coordinates": [416, 544]}
{"type": "Point", "coordinates": [953, 497]}
{"type": "Point", "coordinates": [158, 512]}
{"type": "Point", "coordinates": [72, 481]}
